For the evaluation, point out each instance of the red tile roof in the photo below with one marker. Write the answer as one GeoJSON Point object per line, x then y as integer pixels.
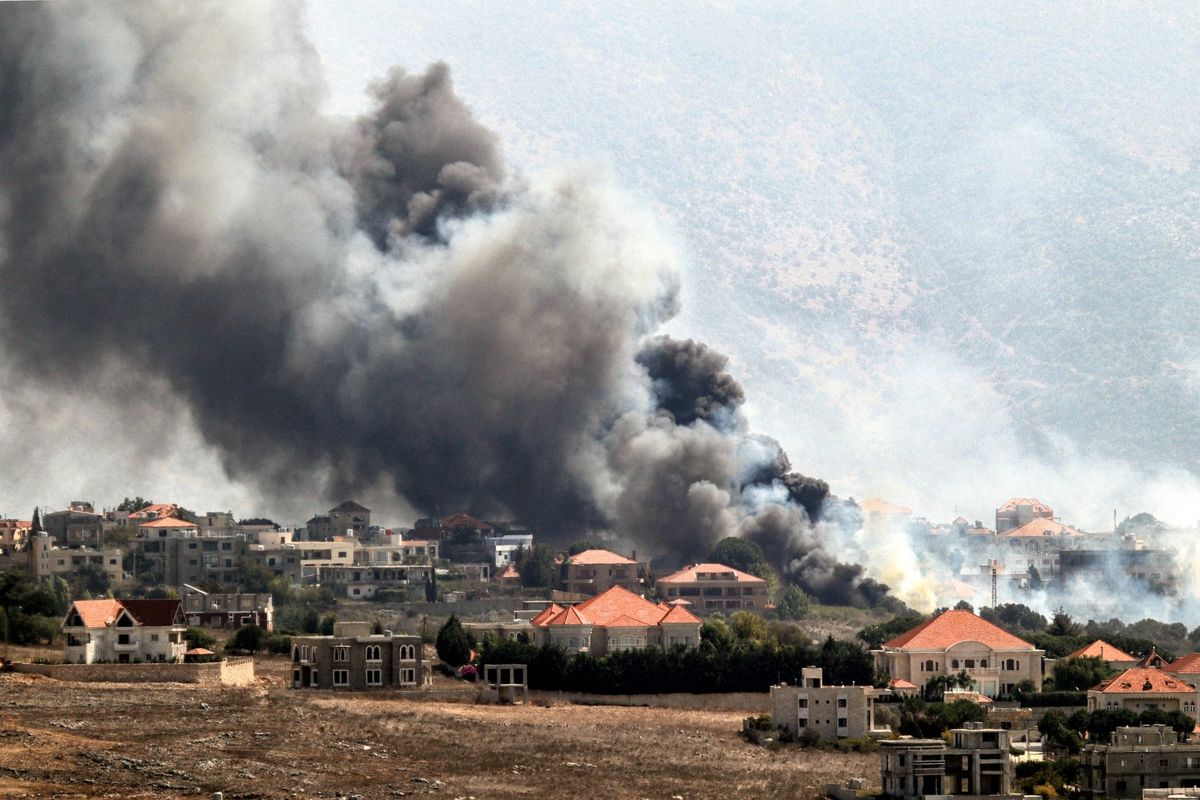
{"type": "Point", "coordinates": [690, 575]}
{"type": "Point", "coordinates": [509, 573]}
{"type": "Point", "coordinates": [618, 606]}
{"type": "Point", "coordinates": [154, 613]}
{"type": "Point", "coordinates": [1104, 650]}
{"type": "Point", "coordinates": [1186, 664]}
{"type": "Point", "coordinates": [598, 557]}
{"type": "Point", "coordinates": [158, 509]}
{"type": "Point", "coordinates": [1145, 679]}
{"type": "Point", "coordinates": [465, 521]}
{"type": "Point", "coordinates": [900, 683]}
{"type": "Point", "coordinates": [549, 612]}
{"type": "Point", "coordinates": [168, 522]}
{"type": "Point", "coordinates": [1043, 527]}
{"type": "Point", "coordinates": [951, 627]}
{"type": "Point", "coordinates": [1037, 505]}
{"type": "Point", "coordinates": [876, 506]}
{"type": "Point", "coordinates": [679, 614]}
{"type": "Point", "coordinates": [97, 613]}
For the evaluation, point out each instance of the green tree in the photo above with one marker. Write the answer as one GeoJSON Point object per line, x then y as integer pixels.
{"type": "Point", "coordinates": [536, 566]}
{"type": "Point", "coordinates": [717, 636]}
{"type": "Point", "coordinates": [873, 636]}
{"type": "Point", "coordinates": [327, 623]}
{"type": "Point", "coordinates": [743, 554]}
{"type": "Point", "coordinates": [749, 627]}
{"type": "Point", "coordinates": [1079, 674]}
{"type": "Point", "coordinates": [1063, 625]}
{"type": "Point", "coordinates": [581, 545]}
{"type": "Point", "coordinates": [254, 576]}
{"type": "Point", "coordinates": [1056, 730]}
{"type": "Point", "coordinates": [132, 504]}
{"type": "Point", "coordinates": [198, 637]}
{"type": "Point", "coordinates": [454, 644]}
{"type": "Point", "coordinates": [91, 580]}
{"type": "Point", "coordinates": [1035, 578]}
{"type": "Point", "coordinates": [963, 605]}
{"type": "Point", "coordinates": [793, 603]}
{"type": "Point", "coordinates": [248, 638]}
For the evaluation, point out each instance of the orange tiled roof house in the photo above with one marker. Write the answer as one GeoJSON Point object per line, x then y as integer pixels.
{"type": "Point", "coordinates": [957, 641]}
{"type": "Point", "coordinates": [714, 586]}
{"type": "Point", "coordinates": [124, 631]}
{"type": "Point", "coordinates": [593, 572]}
{"type": "Point", "coordinates": [614, 621]}
{"type": "Point", "coordinates": [1142, 688]}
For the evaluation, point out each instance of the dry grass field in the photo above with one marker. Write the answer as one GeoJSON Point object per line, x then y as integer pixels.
{"type": "Point", "coordinates": [70, 740]}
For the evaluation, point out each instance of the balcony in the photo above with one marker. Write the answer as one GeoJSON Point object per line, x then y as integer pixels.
{"type": "Point", "coordinates": [132, 644]}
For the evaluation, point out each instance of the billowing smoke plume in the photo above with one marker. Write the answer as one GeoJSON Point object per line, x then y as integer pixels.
{"type": "Point", "coordinates": [342, 304]}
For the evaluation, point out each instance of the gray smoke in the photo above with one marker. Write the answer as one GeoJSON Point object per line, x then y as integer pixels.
{"type": "Point", "coordinates": [345, 304]}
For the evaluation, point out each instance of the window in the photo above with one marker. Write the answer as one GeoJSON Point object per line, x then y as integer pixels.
{"type": "Point", "coordinates": [373, 652]}
{"type": "Point", "coordinates": [296, 678]}
{"type": "Point", "coordinates": [954, 664]}
{"type": "Point", "coordinates": [341, 652]}
{"type": "Point", "coordinates": [970, 663]}
{"type": "Point", "coordinates": [154, 637]}
{"type": "Point", "coordinates": [802, 702]}
{"type": "Point", "coordinates": [802, 723]}
{"type": "Point", "coordinates": [983, 663]}
{"type": "Point", "coordinates": [408, 652]}
{"type": "Point", "coordinates": [841, 722]}
{"type": "Point", "coordinates": [341, 677]}
{"type": "Point", "coordinates": [312, 679]}
{"type": "Point", "coordinates": [841, 702]}
{"type": "Point", "coordinates": [374, 677]}
{"type": "Point", "coordinates": [408, 677]}
{"type": "Point", "coordinates": [123, 638]}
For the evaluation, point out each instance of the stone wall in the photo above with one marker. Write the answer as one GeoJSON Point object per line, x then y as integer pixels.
{"type": "Point", "coordinates": [759, 703]}
{"type": "Point", "coordinates": [230, 672]}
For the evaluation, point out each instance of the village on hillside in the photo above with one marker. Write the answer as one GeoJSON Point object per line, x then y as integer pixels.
{"type": "Point", "coordinates": [985, 696]}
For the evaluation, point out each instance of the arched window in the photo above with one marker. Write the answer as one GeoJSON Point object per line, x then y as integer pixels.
{"type": "Point", "coordinates": [954, 664]}
{"type": "Point", "coordinates": [373, 652]}
{"type": "Point", "coordinates": [983, 663]}
{"type": "Point", "coordinates": [296, 653]}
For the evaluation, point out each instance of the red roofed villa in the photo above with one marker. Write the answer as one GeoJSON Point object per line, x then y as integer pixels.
{"type": "Point", "coordinates": [957, 641]}
{"type": "Point", "coordinates": [1106, 652]}
{"type": "Point", "coordinates": [616, 620]}
{"type": "Point", "coordinates": [594, 572]}
{"type": "Point", "coordinates": [714, 586]}
{"type": "Point", "coordinates": [1143, 688]}
{"type": "Point", "coordinates": [124, 631]}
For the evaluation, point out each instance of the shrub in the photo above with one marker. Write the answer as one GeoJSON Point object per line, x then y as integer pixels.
{"type": "Point", "coordinates": [249, 639]}
{"type": "Point", "coordinates": [454, 644]}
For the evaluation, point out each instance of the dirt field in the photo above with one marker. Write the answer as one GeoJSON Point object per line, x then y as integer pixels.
{"type": "Point", "coordinates": [114, 740]}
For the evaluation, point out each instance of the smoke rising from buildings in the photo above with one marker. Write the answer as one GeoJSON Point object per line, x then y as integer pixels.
{"type": "Point", "coordinates": [340, 304]}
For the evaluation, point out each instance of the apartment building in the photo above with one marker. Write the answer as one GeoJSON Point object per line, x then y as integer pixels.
{"type": "Point", "coordinates": [976, 763]}
{"type": "Point", "coordinates": [1137, 759]}
{"type": "Point", "coordinates": [714, 586]}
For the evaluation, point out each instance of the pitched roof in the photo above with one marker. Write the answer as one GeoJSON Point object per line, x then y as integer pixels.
{"type": "Point", "coordinates": [691, 574]}
{"type": "Point", "coordinates": [199, 651]}
{"type": "Point", "coordinates": [1104, 650]}
{"type": "Point", "coordinates": [954, 626]}
{"type": "Point", "coordinates": [1145, 679]}
{"type": "Point", "coordinates": [97, 613]}
{"type": "Point", "coordinates": [900, 683]}
{"type": "Point", "coordinates": [547, 613]}
{"type": "Point", "coordinates": [598, 557]}
{"type": "Point", "coordinates": [154, 613]}
{"type": "Point", "coordinates": [465, 521]}
{"type": "Point", "coordinates": [349, 505]}
{"type": "Point", "coordinates": [1186, 664]}
{"type": "Point", "coordinates": [510, 571]}
{"type": "Point", "coordinates": [569, 616]}
{"type": "Point", "coordinates": [1038, 506]}
{"type": "Point", "coordinates": [1043, 527]}
{"type": "Point", "coordinates": [168, 522]}
{"type": "Point", "coordinates": [154, 509]}
{"type": "Point", "coordinates": [874, 505]}
{"type": "Point", "coordinates": [679, 614]}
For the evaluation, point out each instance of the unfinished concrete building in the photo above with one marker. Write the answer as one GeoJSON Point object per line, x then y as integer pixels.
{"type": "Point", "coordinates": [832, 712]}
{"type": "Point", "coordinates": [1138, 758]}
{"type": "Point", "coordinates": [976, 764]}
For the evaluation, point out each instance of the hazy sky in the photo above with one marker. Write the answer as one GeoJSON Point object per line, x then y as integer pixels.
{"type": "Point", "coordinates": [863, 205]}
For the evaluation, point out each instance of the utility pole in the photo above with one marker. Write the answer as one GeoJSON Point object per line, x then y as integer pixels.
{"type": "Point", "coordinates": [993, 584]}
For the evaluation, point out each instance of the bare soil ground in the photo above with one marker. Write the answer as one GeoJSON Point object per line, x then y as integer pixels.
{"type": "Point", "coordinates": [76, 740]}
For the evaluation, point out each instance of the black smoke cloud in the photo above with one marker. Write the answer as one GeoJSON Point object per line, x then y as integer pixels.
{"type": "Point", "coordinates": [344, 304]}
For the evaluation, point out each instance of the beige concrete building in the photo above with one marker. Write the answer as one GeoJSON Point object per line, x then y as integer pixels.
{"type": "Point", "coordinates": [594, 572]}
{"type": "Point", "coordinates": [46, 560]}
{"type": "Point", "coordinates": [975, 764]}
{"type": "Point", "coordinates": [959, 641]}
{"type": "Point", "coordinates": [123, 631]}
{"type": "Point", "coordinates": [356, 660]}
{"type": "Point", "coordinates": [714, 586]}
{"type": "Point", "coordinates": [1138, 759]}
{"type": "Point", "coordinates": [833, 712]}
{"type": "Point", "coordinates": [1020, 511]}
